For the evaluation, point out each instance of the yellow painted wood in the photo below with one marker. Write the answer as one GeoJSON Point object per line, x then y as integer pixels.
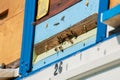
{"type": "Point", "coordinates": [113, 3]}
{"type": "Point", "coordinates": [66, 45]}
{"type": "Point", "coordinates": [2, 6]}
{"type": "Point", "coordinates": [11, 31]}
{"type": "Point", "coordinates": [42, 8]}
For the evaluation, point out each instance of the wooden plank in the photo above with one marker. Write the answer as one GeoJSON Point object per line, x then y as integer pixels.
{"type": "Point", "coordinates": [3, 7]}
{"type": "Point", "coordinates": [113, 3]}
{"type": "Point", "coordinates": [11, 31]}
{"type": "Point", "coordinates": [80, 39]}
{"type": "Point", "coordinates": [57, 6]}
{"type": "Point", "coordinates": [66, 35]}
{"type": "Point", "coordinates": [8, 74]}
{"type": "Point", "coordinates": [13, 65]}
{"type": "Point", "coordinates": [15, 7]}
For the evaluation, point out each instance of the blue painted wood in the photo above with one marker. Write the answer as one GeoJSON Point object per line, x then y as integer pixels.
{"type": "Point", "coordinates": [41, 32]}
{"type": "Point", "coordinates": [111, 13]}
{"type": "Point", "coordinates": [27, 42]}
{"type": "Point", "coordinates": [66, 52]}
{"type": "Point", "coordinates": [101, 28]}
{"type": "Point", "coordinates": [40, 69]}
{"type": "Point", "coordinates": [72, 15]}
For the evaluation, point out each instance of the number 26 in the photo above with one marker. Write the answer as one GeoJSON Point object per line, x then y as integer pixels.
{"type": "Point", "coordinates": [58, 68]}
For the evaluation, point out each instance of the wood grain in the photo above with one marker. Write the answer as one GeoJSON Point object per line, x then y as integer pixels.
{"type": "Point", "coordinates": [56, 6]}
{"type": "Point", "coordinates": [11, 31]}
{"type": "Point", "coordinates": [66, 35]}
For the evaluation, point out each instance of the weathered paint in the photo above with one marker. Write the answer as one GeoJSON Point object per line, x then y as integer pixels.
{"type": "Point", "coordinates": [95, 54]}
{"type": "Point", "coordinates": [72, 16]}
{"type": "Point", "coordinates": [65, 45]}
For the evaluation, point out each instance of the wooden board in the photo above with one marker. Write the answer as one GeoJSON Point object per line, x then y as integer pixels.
{"type": "Point", "coordinates": [3, 7]}
{"type": "Point", "coordinates": [55, 7]}
{"type": "Point", "coordinates": [66, 35]}
{"type": "Point", "coordinates": [11, 31]}
{"type": "Point", "coordinates": [113, 3]}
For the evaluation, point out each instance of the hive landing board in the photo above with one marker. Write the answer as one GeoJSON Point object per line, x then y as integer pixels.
{"type": "Point", "coordinates": [68, 30]}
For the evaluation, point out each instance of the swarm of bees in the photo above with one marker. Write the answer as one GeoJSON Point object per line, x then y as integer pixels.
{"type": "Point", "coordinates": [68, 38]}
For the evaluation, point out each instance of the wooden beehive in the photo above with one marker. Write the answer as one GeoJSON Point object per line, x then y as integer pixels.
{"type": "Point", "coordinates": [66, 35]}
{"type": "Point", "coordinates": [11, 30]}
{"type": "Point", "coordinates": [55, 7]}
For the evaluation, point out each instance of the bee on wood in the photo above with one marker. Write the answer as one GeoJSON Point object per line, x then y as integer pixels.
{"type": "Point", "coordinates": [85, 29]}
{"type": "Point", "coordinates": [46, 47]}
{"type": "Point", "coordinates": [62, 19]}
{"type": "Point", "coordinates": [56, 49]}
{"type": "Point", "coordinates": [61, 48]}
{"type": "Point", "coordinates": [56, 24]}
{"type": "Point", "coordinates": [69, 38]}
{"type": "Point", "coordinates": [74, 34]}
{"type": "Point", "coordinates": [60, 39]}
{"type": "Point", "coordinates": [46, 25]}
{"type": "Point", "coordinates": [87, 3]}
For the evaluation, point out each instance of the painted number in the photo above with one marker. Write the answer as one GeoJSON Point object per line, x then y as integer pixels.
{"type": "Point", "coordinates": [58, 68]}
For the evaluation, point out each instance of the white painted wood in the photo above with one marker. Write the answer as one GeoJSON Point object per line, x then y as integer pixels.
{"type": "Point", "coordinates": [8, 73]}
{"type": "Point", "coordinates": [113, 74]}
{"type": "Point", "coordinates": [99, 57]}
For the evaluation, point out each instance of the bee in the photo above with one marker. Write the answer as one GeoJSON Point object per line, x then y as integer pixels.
{"type": "Point", "coordinates": [62, 19]}
{"type": "Point", "coordinates": [60, 39]}
{"type": "Point", "coordinates": [87, 3]}
{"type": "Point", "coordinates": [85, 29]}
{"type": "Point", "coordinates": [56, 24]}
{"type": "Point", "coordinates": [56, 49]}
{"type": "Point", "coordinates": [46, 47]}
{"type": "Point", "coordinates": [69, 38]}
{"type": "Point", "coordinates": [74, 34]}
{"type": "Point", "coordinates": [61, 48]}
{"type": "Point", "coordinates": [46, 25]}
